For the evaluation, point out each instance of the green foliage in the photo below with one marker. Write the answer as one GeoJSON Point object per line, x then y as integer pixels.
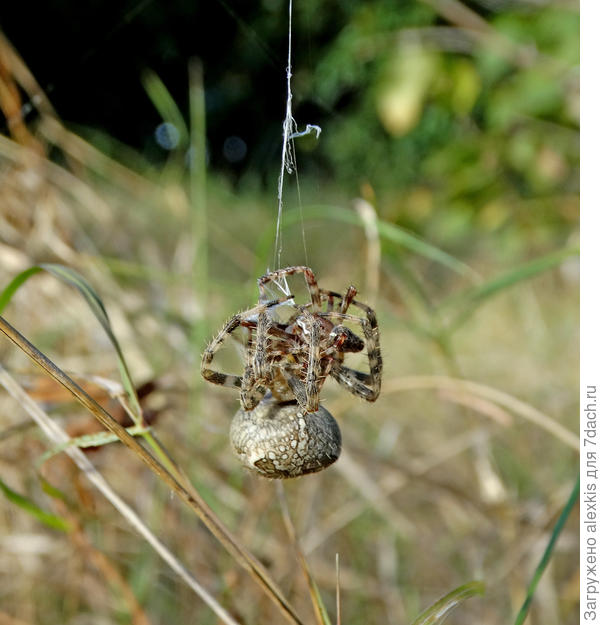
{"type": "Point", "coordinates": [437, 613]}
{"type": "Point", "coordinates": [560, 523]}
{"type": "Point", "coordinates": [74, 279]}
{"type": "Point", "coordinates": [484, 123]}
{"type": "Point", "coordinates": [50, 520]}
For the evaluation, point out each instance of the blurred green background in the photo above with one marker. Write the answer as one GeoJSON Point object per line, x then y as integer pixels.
{"type": "Point", "coordinates": [462, 117]}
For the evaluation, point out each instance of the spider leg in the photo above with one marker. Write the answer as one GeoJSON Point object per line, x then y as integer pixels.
{"type": "Point", "coordinates": [251, 390]}
{"type": "Point", "coordinates": [306, 390]}
{"type": "Point", "coordinates": [311, 282]}
{"type": "Point", "coordinates": [297, 387]}
{"type": "Point", "coordinates": [262, 339]}
{"type": "Point", "coordinates": [314, 360]}
{"type": "Point", "coordinates": [367, 386]}
{"type": "Point", "coordinates": [254, 381]}
{"type": "Point", "coordinates": [373, 347]}
{"type": "Point", "coordinates": [228, 379]}
{"type": "Point", "coordinates": [348, 298]}
{"type": "Point", "coordinates": [357, 382]}
{"type": "Point", "coordinates": [223, 379]}
{"type": "Point", "coordinates": [345, 300]}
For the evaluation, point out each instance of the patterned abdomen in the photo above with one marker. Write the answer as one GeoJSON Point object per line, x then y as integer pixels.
{"type": "Point", "coordinates": [280, 440]}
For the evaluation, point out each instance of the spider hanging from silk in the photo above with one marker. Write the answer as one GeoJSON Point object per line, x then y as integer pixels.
{"type": "Point", "coordinates": [290, 350]}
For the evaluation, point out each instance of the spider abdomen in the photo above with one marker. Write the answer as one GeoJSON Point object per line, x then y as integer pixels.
{"type": "Point", "coordinates": [281, 440]}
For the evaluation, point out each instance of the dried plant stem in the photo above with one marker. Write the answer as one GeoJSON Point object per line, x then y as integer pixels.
{"type": "Point", "coordinates": [191, 498]}
{"type": "Point", "coordinates": [318, 607]}
{"type": "Point", "coordinates": [103, 565]}
{"type": "Point", "coordinates": [509, 402]}
{"type": "Point", "coordinates": [59, 437]}
{"type": "Point", "coordinates": [368, 216]}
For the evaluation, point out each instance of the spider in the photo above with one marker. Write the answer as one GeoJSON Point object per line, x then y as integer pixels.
{"type": "Point", "coordinates": [292, 358]}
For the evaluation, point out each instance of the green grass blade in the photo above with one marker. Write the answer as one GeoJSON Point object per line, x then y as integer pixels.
{"type": "Point", "coordinates": [394, 234]}
{"type": "Point", "coordinates": [562, 519]}
{"type": "Point", "coordinates": [14, 285]}
{"type": "Point", "coordinates": [474, 297]}
{"type": "Point", "coordinates": [71, 277]}
{"type": "Point", "coordinates": [198, 196]}
{"type": "Point", "coordinates": [99, 439]}
{"type": "Point", "coordinates": [316, 595]}
{"type": "Point", "coordinates": [51, 490]}
{"type": "Point", "coordinates": [436, 614]}
{"type": "Point", "coordinates": [48, 519]}
{"type": "Point", "coordinates": [164, 103]}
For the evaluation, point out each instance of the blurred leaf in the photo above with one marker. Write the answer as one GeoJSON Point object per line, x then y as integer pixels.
{"type": "Point", "coordinates": [530, 93]}
{"type": "Point", "coordinates": [165, 104]}
{"type": "Point", "coordinates": [51, 520]}
{"type": "Point", "coordinates": [466, 86]}
{"type": "Point", "coordinates": [437, 613]}
{"type": "Point", "coordinates": [14, 285]}
{"type": "Point", "coordinates": [475, 296]}
{"type": "Point", "coordinates": [72, 278]}
{"type": "Point", "coordinates": [403, 88]}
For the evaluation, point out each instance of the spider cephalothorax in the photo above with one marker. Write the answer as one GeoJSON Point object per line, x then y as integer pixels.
{"type": "Point", "coordinates": [291, 350]}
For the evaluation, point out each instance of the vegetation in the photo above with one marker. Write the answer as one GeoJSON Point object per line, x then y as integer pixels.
{"type": "Point", "coordinates": [444, 186]}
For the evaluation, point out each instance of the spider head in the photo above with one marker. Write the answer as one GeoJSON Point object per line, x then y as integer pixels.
{"type": "Point", "coordinates": [346, 340]}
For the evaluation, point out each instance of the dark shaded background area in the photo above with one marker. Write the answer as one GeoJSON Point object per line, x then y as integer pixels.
{"type": "Point", "coordinates": [478, 119]}
{"type": "Point", "coordinates": [90, 57]}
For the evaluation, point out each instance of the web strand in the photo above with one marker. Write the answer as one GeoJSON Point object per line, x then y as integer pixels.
{"type": "Point", "coordinates": [287, 155]}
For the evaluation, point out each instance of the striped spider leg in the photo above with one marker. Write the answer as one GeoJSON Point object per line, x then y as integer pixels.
{"type": "Point", "coordinates": [326, 351]}
{"type": "Point", "coordinates": [367, 386]}
{"type": "Point", "coordinates": [245, 382]}
{"type": "Point", "coordinates": [311, 282]}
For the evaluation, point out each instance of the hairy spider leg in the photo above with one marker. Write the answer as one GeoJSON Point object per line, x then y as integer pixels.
{"type": "Point", "coordinates": [255, 380]}
{"type": "Point", "coordinates": [345, 300]}
{"type": "Point", "coordinates": [367, 386]}
{"type": "Point", "coordinates": [311, 282]}
{"type": "Point", "coordinates": [306, 390]}
{"type": "Point", "coordinates": [227, 379]}
{"type": "Point", "coordinates": [272, 361]}
{"type": "Point", "coordinates": [311, 381]}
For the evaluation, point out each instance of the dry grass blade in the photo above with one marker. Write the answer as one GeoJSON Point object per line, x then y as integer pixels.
{"type": "Point", "coordinates": [367, 213]}
{"type": "Point", "coordinates": [188, 496]}
{"type": "Point", "coordinates": [54, 132]}
{"type": "Point", "coordinates": [360, 479]}
{"type": "Point", "coordinates": [513, 404]}
{"type": "Point", "coordinates": [338, 600]}
{"type": "Point", "coordinates": [103, 564]}
{"type": "Point", "coordinates": [58, 436]}
{"type": "Point", "coordinates": [25, 78]}
{"type": "Point", "coordinates": [479, 404]}
{"type": "Point", "coordinates": [320, 612]}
